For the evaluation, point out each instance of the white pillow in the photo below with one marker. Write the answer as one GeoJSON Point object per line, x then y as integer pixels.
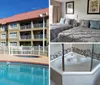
{"type": "Point", "coordinates": [62, 21]}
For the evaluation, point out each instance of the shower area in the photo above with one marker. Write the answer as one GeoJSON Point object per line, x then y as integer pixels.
{"type": "Point", "coordinates": [75, 64]}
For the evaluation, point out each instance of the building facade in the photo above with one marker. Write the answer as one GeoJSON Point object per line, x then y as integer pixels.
{"type": "Point", "coordinates": [24, 29]}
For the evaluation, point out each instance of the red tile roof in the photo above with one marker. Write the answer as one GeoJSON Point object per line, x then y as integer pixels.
{"type": "Point", "coordinates": [24, 16]}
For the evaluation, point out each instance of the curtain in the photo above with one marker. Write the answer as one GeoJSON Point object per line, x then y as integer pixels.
{"type": "Point", "coordinates": [56, 13]}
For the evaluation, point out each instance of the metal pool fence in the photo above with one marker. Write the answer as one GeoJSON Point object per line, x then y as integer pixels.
{"type": "Point", "coordinates": [17, 50]}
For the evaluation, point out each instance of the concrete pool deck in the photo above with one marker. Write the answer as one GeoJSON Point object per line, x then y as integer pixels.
{"type": "Point", "coordinates": [12, 58]}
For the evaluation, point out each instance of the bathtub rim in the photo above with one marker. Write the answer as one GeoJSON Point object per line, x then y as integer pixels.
{"type": "Point", "coordinates": [76, 73]}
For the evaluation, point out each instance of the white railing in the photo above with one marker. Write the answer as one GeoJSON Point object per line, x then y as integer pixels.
{"type": "Point", "coordinates": [22, 50]}
{"type": "Point", "coordinates": [38, 25]}
{"type": "Point", "coordinates": [25, 37]}
{"type": "Point", "coordinates": [25, 27]}
{"type": "Point", "coordinates": [4, 50]}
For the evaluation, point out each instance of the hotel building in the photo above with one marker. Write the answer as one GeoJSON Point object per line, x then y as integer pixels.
{"type": "Point", "coordinates": [24, 29]}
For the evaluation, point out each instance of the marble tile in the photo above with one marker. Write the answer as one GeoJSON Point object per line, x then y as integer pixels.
{"type": "Point", "coordinates": [86, 52]}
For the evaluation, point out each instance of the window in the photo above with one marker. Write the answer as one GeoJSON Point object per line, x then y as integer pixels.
{"type": "Point", "coordinates": [3, 36]}
{"type": "Point", "coordinates": [13, 43]}
{"type": "Point", "coordinates": [3, 28]}
{"type": "Point", "coordinates": [13, 35]}
{"type": "Point", "coordinates": [13, 26]}
{"type": "Point", "coordinates": [3, 43]}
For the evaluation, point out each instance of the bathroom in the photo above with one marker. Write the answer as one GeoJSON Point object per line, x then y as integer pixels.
{"type": "Point", "coordinates": [77, 62]}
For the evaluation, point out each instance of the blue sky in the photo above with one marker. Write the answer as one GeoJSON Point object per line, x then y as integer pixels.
{"type": "Point", "coordinates": [12, 7]}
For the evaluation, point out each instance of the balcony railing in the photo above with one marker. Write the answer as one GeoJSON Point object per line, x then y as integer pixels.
{"type": "Point", "coordinates": [25, 37]}
{"type": "Point", "coordinates": [29, 26]}
{"type": "Point", "coordinates": [25, 27]}
{"type": "Point", "coordinates": [38, 25]}
{"type": "Point", "coordinates": [40, 36]}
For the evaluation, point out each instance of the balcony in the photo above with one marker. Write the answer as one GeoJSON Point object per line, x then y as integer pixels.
{"type": "Point", "coordinates": [39, 36]}
{"type": "Point", "coordinates": [25, 37]}
{"type": "Point", "coordinates": [38, 25]}
{"type": "Point", "coordinates": [24, 27]}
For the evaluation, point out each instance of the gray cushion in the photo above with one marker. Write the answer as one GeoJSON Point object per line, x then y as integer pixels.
{"type": "Point", "coordinates": [74, 23]}
{"type": "Point", "coordinates": [84, 23]}
{"type": "Point", "coordinates": [67, 21]}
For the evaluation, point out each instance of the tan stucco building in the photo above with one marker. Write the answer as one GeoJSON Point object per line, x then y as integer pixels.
{"type": "Point", "coordinates": [24, 29]}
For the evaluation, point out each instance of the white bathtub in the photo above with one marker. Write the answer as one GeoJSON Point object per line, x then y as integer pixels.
{"type": "Point", "coordinates": [77, 70]}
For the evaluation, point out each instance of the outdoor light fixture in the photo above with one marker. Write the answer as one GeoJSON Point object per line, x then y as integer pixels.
{"type": "Point", "coordinates": [43, 16]}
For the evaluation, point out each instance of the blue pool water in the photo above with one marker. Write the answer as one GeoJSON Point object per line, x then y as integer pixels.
{"type": "Point", "coordinates": [23, 74]}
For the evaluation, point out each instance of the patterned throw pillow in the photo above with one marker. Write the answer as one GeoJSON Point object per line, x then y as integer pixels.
{"type": "Point", "coordinates": [67, 21]}
{"type": "Point", "coordinates": [85, 23]}
{"type": "Point", "coordinates": [74, 23]}
{"type": "Point", "coordinates": [95, 24]}
{"type": "Point", "coordinates": [62, 21]}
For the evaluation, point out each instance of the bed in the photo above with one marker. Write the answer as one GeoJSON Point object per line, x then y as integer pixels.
{"type": "Point", "coordinates": [57, 28]}
{"type": "Point", "coordinates": [79, 34]}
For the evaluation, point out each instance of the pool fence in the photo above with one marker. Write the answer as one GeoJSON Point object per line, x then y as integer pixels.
{"type": "Point", "coordinates": [24, 50]}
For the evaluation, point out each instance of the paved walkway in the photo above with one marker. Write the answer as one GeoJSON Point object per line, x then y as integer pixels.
{"type": "Point", "coordinates": [10, 58]}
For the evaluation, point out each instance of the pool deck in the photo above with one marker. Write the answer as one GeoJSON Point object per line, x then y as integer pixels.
{"type": "Point", "coordinates": [12, 58]}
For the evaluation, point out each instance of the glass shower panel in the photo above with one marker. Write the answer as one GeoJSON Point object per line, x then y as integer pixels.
{"type": "Point", "coordinates": [78, 58]}
{"type": "Point", "coordinates": [83, 57]}
{"type": "Point", "coordinates": [96, 55]}
{"type": "Point", "coordinates": [55, 51]}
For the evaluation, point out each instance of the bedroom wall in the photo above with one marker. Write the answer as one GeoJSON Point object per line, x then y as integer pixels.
{"type": "Point", "coordinates": [80, 11]}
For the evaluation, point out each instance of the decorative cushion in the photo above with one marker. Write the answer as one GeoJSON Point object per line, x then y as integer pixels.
{"type": "Point", "coordinates": [84, 23]}
{"type": "Point", "coordinates": [95, 24]}
{"type": "Point", "coordinates": [74, 23]}
{"type": "Point", "coordinates": [67, 21]}
{"type": "Point", "coordinates": [62, 21]}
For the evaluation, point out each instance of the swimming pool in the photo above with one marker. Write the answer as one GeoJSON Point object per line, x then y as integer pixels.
{"type": "Point", "coordinates": [23, 74]}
